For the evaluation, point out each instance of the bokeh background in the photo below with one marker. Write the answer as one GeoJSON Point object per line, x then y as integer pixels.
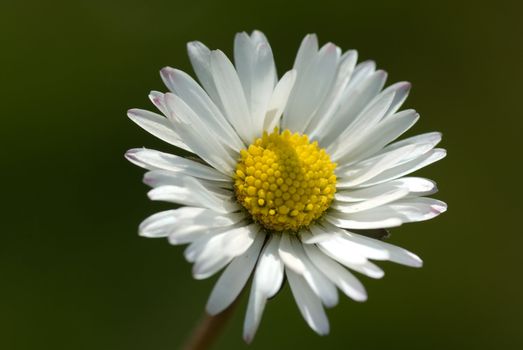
{"type": "Point", "coordinates": [74, 273]}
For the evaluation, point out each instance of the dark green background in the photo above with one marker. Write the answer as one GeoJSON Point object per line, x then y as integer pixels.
{"type": "Point", "coordinates": [74, 273]}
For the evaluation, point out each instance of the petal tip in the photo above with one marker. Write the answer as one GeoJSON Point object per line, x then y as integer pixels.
{"type": "Point", "coordinates": [439, 208]}
{"type": "Point", "coordinates": [130, 154]}
{"type": "Point", "coordinates": [377, 274]}
{"type": "Point", "coordinates": [211, 309]}
{"type": "Point", "coordinates": [193, 44]}
{"type": "Point", "coordinates": [247, 338]}
{"type": "Point", "coordinates": [148, 180]}
{"type": "Point", "coordinates": [361, 298]}
{"type": "Point", "coordinates": [405, 85]}
{"type": "Point", "coordinates": [166, 71]}
{"type": "Point", "coordinates": [132, 113]}
{"type": "Point", "coordinates": [382, 73]}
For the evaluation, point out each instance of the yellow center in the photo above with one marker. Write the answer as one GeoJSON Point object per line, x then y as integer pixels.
{"type": "Point", "coordinates": [285, 181]}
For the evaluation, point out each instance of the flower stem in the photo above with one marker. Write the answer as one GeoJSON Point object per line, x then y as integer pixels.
{"type": "Point", "coordinates": [209, 329]}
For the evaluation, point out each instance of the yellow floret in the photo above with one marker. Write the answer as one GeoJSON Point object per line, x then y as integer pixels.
{"type": "Point", "coordinates": [284, 181]}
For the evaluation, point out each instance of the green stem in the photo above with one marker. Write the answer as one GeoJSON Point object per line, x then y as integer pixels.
{"type": "Point", "coordinates": [209, 329]}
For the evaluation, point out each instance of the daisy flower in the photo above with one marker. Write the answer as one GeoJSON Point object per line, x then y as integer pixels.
{"type": "Point", "coordinates": [294, 177]}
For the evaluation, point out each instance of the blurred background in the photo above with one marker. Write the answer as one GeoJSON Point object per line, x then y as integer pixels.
{"type": "Point", "coordinates": [75, 274]}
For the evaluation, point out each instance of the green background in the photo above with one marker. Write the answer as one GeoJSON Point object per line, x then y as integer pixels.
{"type": "Point", "coordinates": [74, 273]}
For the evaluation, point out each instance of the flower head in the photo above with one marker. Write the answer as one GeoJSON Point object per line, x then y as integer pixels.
{"type": "Point", "coordinates": [284, 181]}
{"type": "Point", "coordinates": [293, 176]}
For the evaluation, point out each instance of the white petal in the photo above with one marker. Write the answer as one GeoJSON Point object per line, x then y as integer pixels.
{"type": "Point", "coordinates": [222, 248]}
{"type": "Point", "coordinates": [278, 100]}
{"type": "Point", "coordinates": [258, 39]}
{"type": "Point", "coordinates": [267, 281]}
{"type": "Point", "coordinates": [430, 138]}
{"type": "Point", "coordinates": [319, 284]}
{"type": "Point", "coordinates": [288, 256]}
{"type": "Point", "coordinates": [232, 96]}
{"type": "Point", "coordinates": [330, 104]}
{"type": "Point", "coordinates": [389, 215]}
{"type": "Point", "coordinates": [345, 280]}
{"type": "Point", "coordinates": [374, 202]}
{"type": "Point", "coordinates": [158, 126]}
{"type": "Point", "coordinates": [157, 98]}
{"type": "Point", "coordinates": [256, 71]}
{"type": "Point", "coordinates": [306, 52]}
{"type": "Point", "coordinates": [309, 304]}
{"type": "Point", "coordinates": [200, 57]}
{"type": "Point", "coordinates": [234, 278]}
{"type": "Point", "coordinates": [349, 254]}
{"type": "Point", "coordinates": [352, 249]}
{"type": "Point", "coordinates": [254, 312]}
{"type": "Point", "coordinates": [189, 234]}
{"type": "Point", "coordinates": [204, 108]}
{"type": "Point", "coordinates": [158, 224]}
{"type": "Point", "coordinates": [193, 193]}
{"type": "Point", "coordinates": [418, 209]}
{"type": "Point", "coordinates": [369, 251]}
{"type": "Point", "coordinates": [401, 92]}
{"type": "Point", "coordinates": [315, 236]}
{"type": "Point", "coordinates": [352, 102]}
{"type": "Point", "coordinates": [403, 169]}
{"type": "Point", "coordinates": [362, 71]}
{"type": "Point", "coordinates": [368, 170]}
{"type": "Point", "coordinates": [395, 254]}
{"type": "Point", "coordinates": [156, 178]}
{"type": "Point", "coordinates": [416, 186]}
{"type": "Point", "coordinates": [366, 220]}
{"type": "Point", "coordinates": [403, 154]}
{"type": "Point", "coordinates": [382, 134]}
{"type": "Point", "coordinates": [361, 126]}
{"type": "Point", "coordinates": [207, 143]}
{"type": "Point", "coordinates": [152, 160]}
{"type": "Point", "coordinates": [163, 223]}
{"type": "Point", "coordinates": [365, 267]}
{"type": "Point", "coordinates": [187, 229]}
{"type": "Point", "coordinates": [195, 249]}
{"type": "Point", "coordinates": [313, 83]}
{"type": "Point", "coordinates": [269, 272]}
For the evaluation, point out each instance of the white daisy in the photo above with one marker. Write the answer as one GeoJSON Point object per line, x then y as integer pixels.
{"type": "Point", "coordinates": [290, 177]}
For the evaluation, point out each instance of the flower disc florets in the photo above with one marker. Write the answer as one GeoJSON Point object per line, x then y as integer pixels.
{"type": "Point", "coordinates": [284, 181]}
